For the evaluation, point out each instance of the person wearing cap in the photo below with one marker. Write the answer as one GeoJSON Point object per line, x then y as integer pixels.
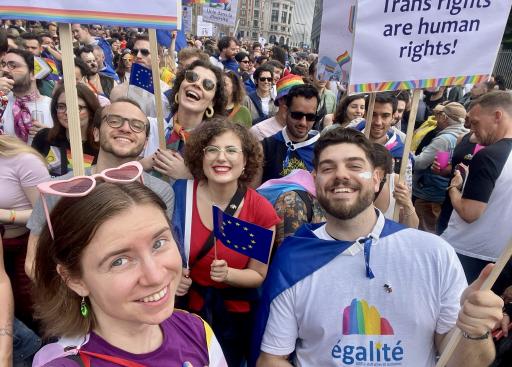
{"type": "Point", "coordinates": [276, 123]}
{"type": "Point", "coordinates": [429, 189]}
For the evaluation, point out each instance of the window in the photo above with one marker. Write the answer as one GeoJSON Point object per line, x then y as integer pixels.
{"type": "Point", "coordinates": [284, 15]}
{"type": "Point", "coordinates": [275, 16]}
{"type": "Point", "coordinates": [254, 35]}
{"type": "Point", "coordinates": [256, 13]}
{"type": "Point", "coordinates": [285, 6]}
{"type": "Point", "coordinates": [243, 13]}
{"type": "Point", "coordinates": [290, 18]}
{"type": "Point", "coordinates": [256, 3]}
{"type": "Point", "coordinates": [255, 23]}
{"type": "Point", "coordinates": [275, 5]}
{"type": "Point", "coordinates": [283, 29]}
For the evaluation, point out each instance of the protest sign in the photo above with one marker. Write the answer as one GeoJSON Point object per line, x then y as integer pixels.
{"type": "Point", "coordinates": [336, 40]}
{"type": "Point", "coordinates": [402, 44]}
{"type": "Point", "coordinates": [204, 29]}
{"type": "Point", "coordinates": [187, 19]}
{"type": "Point", "coordinates": [221, 13]}
{"type": "Point", "coordinates": [148, 14]}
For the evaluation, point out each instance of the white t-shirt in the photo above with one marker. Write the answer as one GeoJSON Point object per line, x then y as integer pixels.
{"type": "Point", "coordinates": [264, 105]}
{"type": "Point", "coordinates": [339, 317]}
{"type": "Point", "coordinates": [42, 106]}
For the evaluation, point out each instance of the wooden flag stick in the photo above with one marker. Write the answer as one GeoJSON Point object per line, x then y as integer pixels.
{"type": "Point", "coordinates": [369, 114]}
{"type": "Point", "coordinates": [153, 45]}
{"type": "Point", "coordinates": [408, 141]}
{"type": "Point", "coordinates": [68, 68]}
{"type": "Point", "coordinates": [487, 285]}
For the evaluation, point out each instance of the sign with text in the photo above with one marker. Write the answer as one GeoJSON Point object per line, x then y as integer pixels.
{"type": "Point", "coordinates": [224, 13]}
{"type": "Point", "coordinates": [204, 29]}
{"type": "Point", "coordinates": [336, 40]}
{"type": "Point", "coordinates": [187, 19]}
{"type": "Point", "coordinates": [160, 14]}
{"type": "Point", "coordinates": [402, 44]}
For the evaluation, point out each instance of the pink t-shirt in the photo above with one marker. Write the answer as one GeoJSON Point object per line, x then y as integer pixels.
{"type": "Point", "coordinates": [23, 170]}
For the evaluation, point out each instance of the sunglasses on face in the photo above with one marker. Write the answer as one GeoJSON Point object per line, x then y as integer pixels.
{"type": "Point", "coordinates": [82, 185]}
{"type": "Point", "coordinates": [296, 115]}
{"type": "Point", "coordinates": [263, 79]}
{"type": "Point", "coordinates": [115, 121]}
{"type": "Point", "coordinates": [144, 51]}
{"type": "Point", "coordinates": [245, 61]}
{"type": "Point", "coordinates": [191, 76]}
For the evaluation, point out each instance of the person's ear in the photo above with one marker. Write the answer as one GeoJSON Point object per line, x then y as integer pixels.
{"type": "Point", "coordinates": [75, 284]}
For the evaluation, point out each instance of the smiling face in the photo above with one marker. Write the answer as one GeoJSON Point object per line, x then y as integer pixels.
{"type": "Point", "coordinates": [224, 167]}
{"type": "Point", "coordinates": [193, 96]}
{"type": "Point", "coordinates": [298, 129]}
{"type": "Point", "coordinates": [345, 181]}
{"type": "Point", "coordinates": [264, 82]}
{"type": "Point", "coordinates": [90, 60]}
{"type": "Point", "coordinates": [63, 116]}
{"type": "Point", "coordinates": [121, 142]}
{"type": "Point", "coordinates": [381, 121]}
{"type": "Point", "coordinates": [355, 109]}
{"type": "Point", "coordinates": [131, 269]}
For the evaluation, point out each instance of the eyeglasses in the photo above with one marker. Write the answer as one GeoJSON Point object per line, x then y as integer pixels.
{"type": "Point", "coordinates": [213, 151]}
{"type": "Point", "coordinates": [62, 108]}
{"type": "Point", "coordinates": [116, 121]}
{"type": "Point", "coordinates": [11, 65]}
{"type": "Point", "coordinates": [245, 61]}
{"type": "Point", "coordinates": [296, 115]}
{"type": "Point", "coordinates": [263, 79]}
{"type": "Point", "coordinates": [82, 185]}
{"type": "Point", "coordinates": [144, 51]}
{"type": "Point", "coordinates": [191, 76]}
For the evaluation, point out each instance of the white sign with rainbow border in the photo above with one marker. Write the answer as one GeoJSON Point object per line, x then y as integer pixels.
{"type": "Point", "coordinates": [402, 44]}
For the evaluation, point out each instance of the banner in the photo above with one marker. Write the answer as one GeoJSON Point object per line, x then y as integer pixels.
{"type": "Point", "coordinates": [159, 14]}
{"type": "Point", "coordinates": [186, 13]}
{"type": "Point", "coordinates": [427, 43]}
{"type": "Point", "coordinates": [204, 29]}
{"type": "Point", "coordinates": [224, 13]}
{"type": "Point", "coordinates": [336, 40]}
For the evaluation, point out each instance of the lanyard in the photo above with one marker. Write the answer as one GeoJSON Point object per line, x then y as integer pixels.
{"type": "Point", "coordinates": [85, 356]}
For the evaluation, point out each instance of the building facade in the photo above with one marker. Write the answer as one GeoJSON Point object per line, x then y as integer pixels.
{"type": "Point", "coordinates": [278, 21]}
{"type": "Point", "coordinates": [317, 25]}
{"type": "Point", "coordinates": [302, 22]}
{"type": "Point", "coordinates": [251, 19]}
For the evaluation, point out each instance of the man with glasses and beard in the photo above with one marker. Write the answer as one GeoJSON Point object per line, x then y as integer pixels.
{"type": "Point", "coordinates": [121, 130]}
{"type": "Point", "coordinates": [292, 147]}
{"type": "Point", "coordinates": [27, 111]}
{"type": "Point", "coordinates": [365, 290]}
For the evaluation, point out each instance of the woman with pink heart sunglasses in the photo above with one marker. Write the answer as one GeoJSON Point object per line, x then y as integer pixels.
{"type": "Point", "coordinates": [106, 273]}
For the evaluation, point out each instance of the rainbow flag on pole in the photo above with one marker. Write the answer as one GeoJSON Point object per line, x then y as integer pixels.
{"type": "Point", "coordinates": [343, 58]}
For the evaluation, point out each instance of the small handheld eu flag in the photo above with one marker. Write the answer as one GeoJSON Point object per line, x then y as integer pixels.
{"type": "Point", "coordinates": [243, 237]}
{"type": "Point", "coordinates": [142, 77]}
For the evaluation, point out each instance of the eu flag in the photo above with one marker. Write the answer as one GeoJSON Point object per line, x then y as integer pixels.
{"type": "Point", "coordinates": [142, 77]}
{"type": "Point", "coordinates": [241, 236]}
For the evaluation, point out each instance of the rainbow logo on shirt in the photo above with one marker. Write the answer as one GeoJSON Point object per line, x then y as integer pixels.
{"type": "Point", "coordinates": [361, 319]}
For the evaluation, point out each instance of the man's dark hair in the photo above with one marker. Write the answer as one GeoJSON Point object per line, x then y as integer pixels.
{"type": "Point", "coordinates": [83, 50]}
{"type": "Point", "coordinates": [4, 46]}
{"type": "Point", "coordinates": [255, 45]}
{"type": "Point", "coordinates": [225, 41]}
{"type": "Point", "coordinates": [27, 56]}
{"type": "Point", "coordinates": [403, 95]}
{"type": "Point", "coordinates": [241, 55]}
{"type": "Point", "coordinates": [341, 135]}
{"type": "Point", "coordinates": [84, 68]}
{"type": "Point", "coordinates": [387, 97]}
{"type": "Point", "coordinates": [31, 36]}
{"type": "Point", "coordinates": [305, 90]}
{"type": "Point", "coordinates": [141, 37]}
{"type": "Point", "coordinates": [275, 64]}
{"type": "Point", "coordinates": [260, 69]}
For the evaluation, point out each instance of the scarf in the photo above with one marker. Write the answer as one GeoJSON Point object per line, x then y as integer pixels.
{"type": "Point", "coordinates": [303, 149]}
{"type": "Point", "coordinates": [22, 116]}
{"type": "Point", "coordinates": [176, 137]}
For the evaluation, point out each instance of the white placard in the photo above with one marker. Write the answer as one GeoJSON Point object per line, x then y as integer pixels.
{"type": "Point", "coordinates": [221, 13]}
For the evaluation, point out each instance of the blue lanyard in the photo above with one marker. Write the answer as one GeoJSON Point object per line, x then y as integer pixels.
{"type": "Point", "coordinates": [367, 249]}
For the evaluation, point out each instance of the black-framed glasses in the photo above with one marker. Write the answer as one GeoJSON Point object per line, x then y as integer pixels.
{"type": "Point", "coordinates": [191, 76]}
{"type": "Point", "coordinates": [213, 151]}
{"type": "Point", "coordinates": [144, 51]}
{"type": "Point", "coordinates": [297, 115]}
{"type": "Point", "coordinates": [62, 108]}
{"type": "Point", "coordinates": [116, 121]}
{"type": "Point", "coordinates": [245, 61]}
{"type": "Point", "coordinates": [264, 79]}
{"type": "Point", "coordinates": [11, 65]}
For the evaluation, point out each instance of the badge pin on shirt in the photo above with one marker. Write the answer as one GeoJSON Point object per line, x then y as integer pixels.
{"type": "Point", "coordinates": [388, 288]}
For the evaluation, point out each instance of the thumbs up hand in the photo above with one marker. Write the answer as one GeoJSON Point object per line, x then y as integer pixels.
{"type": "Point", "coordinates": [481, 310]}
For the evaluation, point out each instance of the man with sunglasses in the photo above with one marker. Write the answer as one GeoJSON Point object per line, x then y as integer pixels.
{"type": "Point", "coordinates": [26, 111]}
{"type": "Point", "coordinates": [122, 130]}
{"type": "Point", "coordinates": [292, 147]}
{"type": "Point", "coordinates": [142, 56]}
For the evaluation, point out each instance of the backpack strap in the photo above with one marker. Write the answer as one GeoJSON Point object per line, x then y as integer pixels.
{"type": "Point", "coordinates": [309, 204]}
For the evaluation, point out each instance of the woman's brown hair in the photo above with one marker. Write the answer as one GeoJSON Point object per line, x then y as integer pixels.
{"type": "Point", "coordinates": [90, 99]}
{"type": "Point", "coordinates": [201, 137]}
{"type": "Point", "coordinates": [75, 222]}
{"type": "Point", "coordinates": [340, 116]}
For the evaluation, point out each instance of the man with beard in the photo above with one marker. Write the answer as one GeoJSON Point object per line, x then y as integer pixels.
{"type": "Point", "coordinates": [27, 111]}
{"type": "Point", "coordinates": [121, 129]}
{"type": "Point", "coordinates": [364, 290]}
{"type": "Point", "coordinates": [99, 82]}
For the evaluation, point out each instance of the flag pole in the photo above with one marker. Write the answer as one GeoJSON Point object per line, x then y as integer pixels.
{"type": "Point", "coordinates": [408, 141]}
{"type": "Point", "coordinates": [153, 45]}
{"type": "Point", "coordinates": [369, 114]}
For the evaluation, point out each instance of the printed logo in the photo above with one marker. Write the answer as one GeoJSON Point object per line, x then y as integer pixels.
{"type": "Point", "coordinates": [379, 348]}
{"type": "Point", "coordinates": [361, 319]}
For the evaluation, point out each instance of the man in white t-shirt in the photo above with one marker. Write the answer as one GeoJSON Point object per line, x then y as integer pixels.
{"type": "Point", "coordinates": [364, 291]}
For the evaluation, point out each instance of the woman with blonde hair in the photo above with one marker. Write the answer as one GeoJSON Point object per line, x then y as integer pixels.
{"type": "Point", "coordinates": [21, 170]}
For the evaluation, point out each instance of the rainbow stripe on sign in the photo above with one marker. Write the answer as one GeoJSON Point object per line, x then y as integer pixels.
{"type": "Point", "coordinates": [413, 84]}
{"type": "Point", "coordinates": [190, 2]}
{"type": "Point", "coordinates": [343, 58]}
{"type": "Point", "coordinates": [88, 17]}
{"type": "Point", "coordinates": [360, 319]}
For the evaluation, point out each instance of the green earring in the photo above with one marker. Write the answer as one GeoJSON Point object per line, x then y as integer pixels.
{"type": "Point", "coordinates": [84, 310]}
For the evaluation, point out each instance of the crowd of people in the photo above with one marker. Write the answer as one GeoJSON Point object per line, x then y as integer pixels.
{"type": "Point", "coordinates": [121, 267]}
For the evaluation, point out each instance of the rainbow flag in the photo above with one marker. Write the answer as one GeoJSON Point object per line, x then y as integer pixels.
{"type": "Point", "coordinates": [54, 71]}
{"type": "Point", "coordinates": [343, 58]}
{"type": "Point", "coordinates": [191, 2]}
{"type": "Point", "coordinates": [88, 159]}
